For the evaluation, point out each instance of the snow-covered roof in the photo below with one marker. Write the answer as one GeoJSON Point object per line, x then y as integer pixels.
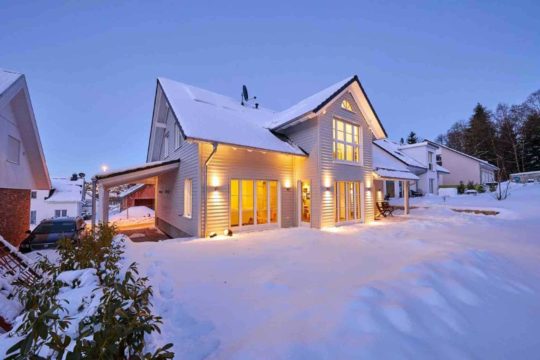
{"type": "Point", "coordinates": [207, 116]}
{"type": "Point", "coordinates": [65, 190]}
{"type": "Point", "coordinates": [316, 102]}
{"type": "Point", "coordinates": [442, 169]}
{"type": "Point", "coordinates": [7, 78]}
{"type": "Point", "coordinates": [421, 143]}
{"type": "Point", "coordinates": [393, 148]}
{"type": "Point", "coordinates": [130, 190]}
{"type": "Point", "coordinates": [308, 104]}
{"type": "Point", "coordinates": [126, 170]}
{"type": "Point", "coordinates": [482, 162]}
{"type": "Point", "coordinates": [387, 166]}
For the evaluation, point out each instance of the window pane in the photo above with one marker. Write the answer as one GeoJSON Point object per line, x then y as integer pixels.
{"type": "Point", "coordinates": [356, 130]}
{"type": "Point", "coordinates": [356, 154]}
{"type": "Point", "coordinates": [340, 125]}
{"type": "Point", "coordinates": [358, 200]}
{"type": "Point", "coordinates": [340, 136]}
{"type": "Point", "coordinates": [262, 202]}
{"type": "Point", "coordinates": [234, 198]}
{"type": "Point", "coordinates": [351, 200]}
{"type": "Point", "coordinates": [247, 202]}
{"type": "Point", "coordinates": [340, 151]}
{"type": "Point", "coordinates": [273, 202]}
{"type": "Point", "coordinates": [349, 153]}
{"type": "Point", "coordinates": [341, 200]}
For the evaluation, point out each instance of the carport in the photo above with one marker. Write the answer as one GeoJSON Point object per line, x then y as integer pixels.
{"type": "Point", "coordinates": [143, 174]}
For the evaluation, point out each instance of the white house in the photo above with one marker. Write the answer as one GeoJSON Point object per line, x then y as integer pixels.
{"type": "Point", "coordinates": [64, 199]}
{"type": "Point", "coordinates": [420, 159]}
{"type": "Point", "coordinates": [464, 167]}
{"type": "Point", "coordinates": [22, 162]}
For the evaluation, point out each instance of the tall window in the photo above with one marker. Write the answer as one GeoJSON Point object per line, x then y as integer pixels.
{"type": "Point", "coordinates": [33, 216]}
{"type": "Point", "coordinates": [430, 160]}
{"type": "Point", "coordinates": [188, 198]}
{"type": "Point", "coordinates": [176, 136]}
{"type": "Point", "coordinates": [431, 186]}
{"type": "Point", "coordinates": [14, 150]}
{"type": "Point", "coordinates": [166, 146]}
{"type": "Point", "coordinates": [348, 201]}
{"type": "Point", "coordinates": [253, 202]}
{"type": "Point", "coordinates": [345, 104]}
{"type": "Point", "coordinates": [346, 141]}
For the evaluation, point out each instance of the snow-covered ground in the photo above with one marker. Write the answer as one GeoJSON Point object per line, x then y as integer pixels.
{"type": "Point", "coordinates": [133, 216]}
{"type": "Point", "coordinates": [435, 284]}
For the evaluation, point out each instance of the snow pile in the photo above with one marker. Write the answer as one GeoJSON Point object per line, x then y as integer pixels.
{"type": "Point", "coordinates": [133, 216]}
{"type": "Point", "coordinates": [434, 284]}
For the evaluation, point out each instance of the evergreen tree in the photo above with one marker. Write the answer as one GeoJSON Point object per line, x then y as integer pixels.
{"type": "Point", "coordinates": [401, 141]}
{"type": "Point", "coordinates": [455, 137]}
{"type": "Point", "coordinates": [412, 138]}
{"type": "Point", "coordinates": [480, 136]}
{"type": "Point", "coordinates": [530, 133]}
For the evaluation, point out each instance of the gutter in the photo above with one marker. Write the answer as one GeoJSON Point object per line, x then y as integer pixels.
{"type": "Point", "coordinates": [205, 189]}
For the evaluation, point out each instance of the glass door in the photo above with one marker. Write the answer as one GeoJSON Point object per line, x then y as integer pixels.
{"type": "Point", "coordinates": [305, 202]}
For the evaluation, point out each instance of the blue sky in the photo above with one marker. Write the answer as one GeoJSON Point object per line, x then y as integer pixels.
{"type": "Point", "coordinates": [92, 66]}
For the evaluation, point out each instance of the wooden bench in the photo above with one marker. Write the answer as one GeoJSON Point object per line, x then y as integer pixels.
{"type": "Point", "coordinates": [385, 209]}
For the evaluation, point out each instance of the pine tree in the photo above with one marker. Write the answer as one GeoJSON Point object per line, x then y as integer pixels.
{"type": "Point", "coordinates": [412, 138]}
{"type": "Point", "coordinates": [480, 135]}
{"type": "Point", "coordinates": [531, 142]}
{"type": "Point", "coordinates": [401, 141]}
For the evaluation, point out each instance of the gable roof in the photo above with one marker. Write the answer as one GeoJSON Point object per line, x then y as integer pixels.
{"type": "Point", "coordinates": [7, 78]}
{"type": "Point", "coordinates": [65, 190]}
{"type": "Point", "coordinates": [388, 166]}
{"type": "Point", "coordinates": [393, 148]}
{"type": "Point", "coordinates": [207, 116]}
{"type": "Point", "coordinates": [14, 93]}
{"type": "Point", "coordinates": [482, 162]}
{"type": "Point", "coordinates": [315, 102]}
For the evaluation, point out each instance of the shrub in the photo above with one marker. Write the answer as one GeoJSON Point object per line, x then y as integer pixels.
{"type": "Point", "coordinates": [116, 328]}
{"type": "Point", "coordinates": [480, 188]}
{"type": "Point", "coordinates": [461, 188]}
{"type": "Point", "coordinates": [470, 185]}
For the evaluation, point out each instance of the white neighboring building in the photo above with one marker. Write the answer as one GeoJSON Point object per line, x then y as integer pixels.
{"type": "Point", "coordinates": [420, 159]}
{"type": "Point", "coordinates": [64, 199]}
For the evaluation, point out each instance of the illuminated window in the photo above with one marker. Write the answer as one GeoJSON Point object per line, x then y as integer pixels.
{"type": "Point", "coordinates": [253, 202]}
{"type": "Point", "coordinates": [346, 141]}
{"type": "Point", "coordinates": [346, 105]}
{"type": "Point", "coordinates": [188, 198]}
{"type": "Point", "coordinates": [348, 201]}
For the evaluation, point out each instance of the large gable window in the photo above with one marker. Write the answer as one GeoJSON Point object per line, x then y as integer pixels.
{"type": "Point", "coordinates": [13, 150]}
{"type": "Point", "coordinates": [345, 104]}
{"type": "Point", "coordinates": [346, 141]}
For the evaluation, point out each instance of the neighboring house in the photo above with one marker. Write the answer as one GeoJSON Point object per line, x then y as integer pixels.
{"type": "Point", "coordinates": [420, 159]}
{"type": "Point", "coordinates": [22, 162]}
{"type": "Point", "coordinates": [218, 165]}
{"type": "Point", "coordinates": [464, 168]}
{"type": "Point", "coordinates": [137, 195]}
{"type": "Point", "coordinates": [64, 199]}
{"type": "Point", "coordinates": [524, 177]}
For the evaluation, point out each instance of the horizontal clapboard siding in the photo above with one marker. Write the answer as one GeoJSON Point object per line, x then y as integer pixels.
{"type": "Point", "coordinates": [230, 163]}
{"type": "Point", "coordinates": [332, 171]}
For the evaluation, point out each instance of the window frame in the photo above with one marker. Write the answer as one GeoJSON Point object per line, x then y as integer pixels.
{"type": "Point", "coordinates": [33, 194]}
{"type": "Point", "coordinates": [33, 217]}
{"type": "Point", "coordinates": [358, 202]}
{"type": "Point", "coordinates": [177, 142]}
{"type": "Point", "coordinates": [346, 105]}
{"type": "Point", "coordinates": [266, 225]}
{"type": "Point", "coordinates": [188, 198]}
{"type": "Point", "coordinates": [430, 160]}
{"type": "Point", "coordinates": [358, 146]}
{"type": "Point", "coordinates": [166, 146]}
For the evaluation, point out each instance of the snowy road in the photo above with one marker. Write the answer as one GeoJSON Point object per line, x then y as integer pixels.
{"type": "Point", "coordinates": [438, 284]}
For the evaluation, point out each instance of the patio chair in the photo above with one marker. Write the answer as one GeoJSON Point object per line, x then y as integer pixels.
{"type": "Point", "coordinates": [385, 209]}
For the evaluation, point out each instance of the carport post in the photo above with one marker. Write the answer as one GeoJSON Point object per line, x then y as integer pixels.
{"type": "Point", "coordinates": [94, 185]}
{"type": "Point", "coordinates": [406, 192]}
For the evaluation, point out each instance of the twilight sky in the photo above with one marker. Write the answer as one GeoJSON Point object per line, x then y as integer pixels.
{"type": "Point", "coordinates": [92, 65]}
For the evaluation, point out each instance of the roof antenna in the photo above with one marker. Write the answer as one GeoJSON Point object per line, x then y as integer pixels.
{"type": "Point", "coordinates": [245, 97]}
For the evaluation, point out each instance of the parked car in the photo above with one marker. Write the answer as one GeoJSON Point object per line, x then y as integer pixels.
{"type": "Point", "coordinates": [47, 234]}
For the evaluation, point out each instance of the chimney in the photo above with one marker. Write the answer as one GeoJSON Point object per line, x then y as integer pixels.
{"type": "Point", "coordinates": [256, 105]}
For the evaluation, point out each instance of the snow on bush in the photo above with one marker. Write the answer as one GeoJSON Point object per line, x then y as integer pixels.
{"type": "Point", "coordinates": [85, 306]}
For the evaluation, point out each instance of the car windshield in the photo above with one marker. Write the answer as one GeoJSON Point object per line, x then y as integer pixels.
{"type": "Point", "coordinates": [55, 227]}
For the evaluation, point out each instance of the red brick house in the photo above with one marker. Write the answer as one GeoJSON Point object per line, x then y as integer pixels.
{"type": "Point", "coordinates": [22, 162]}
{"type": "Point", "coordinates": [138, 195]}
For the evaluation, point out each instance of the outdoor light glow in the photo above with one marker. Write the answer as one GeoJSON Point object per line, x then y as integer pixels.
{"type": "Point", "coordinates": [287, 184]}
{"type": "Point", "coordinates": [104, 168]}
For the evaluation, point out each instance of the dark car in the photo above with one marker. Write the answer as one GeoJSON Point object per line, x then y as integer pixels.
{"type": "Point", "coordinates": [49, 232]}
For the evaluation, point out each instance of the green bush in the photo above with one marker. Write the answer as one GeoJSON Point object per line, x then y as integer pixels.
{"type": "Point", "coordinates": [470, 185]}
{"type": "Point", "coordinates": [461, 188]}
{"type": "Point", "coordinates": [117, 328]}
{"type": "Point", "coordinates": [480, 188]}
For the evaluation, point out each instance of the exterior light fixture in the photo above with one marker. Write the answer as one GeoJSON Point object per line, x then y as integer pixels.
{"type": "Point", "coordinates": [288, 185]}
{"type": "Point", "coordinates": [368, 188]}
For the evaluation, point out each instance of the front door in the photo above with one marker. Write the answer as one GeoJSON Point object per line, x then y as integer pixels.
{"type": "Point", "coordinates": [305, 203]}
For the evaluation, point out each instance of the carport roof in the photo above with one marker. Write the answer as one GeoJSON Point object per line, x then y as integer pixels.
{"type": "Point", "coordinates": [136, 173]}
